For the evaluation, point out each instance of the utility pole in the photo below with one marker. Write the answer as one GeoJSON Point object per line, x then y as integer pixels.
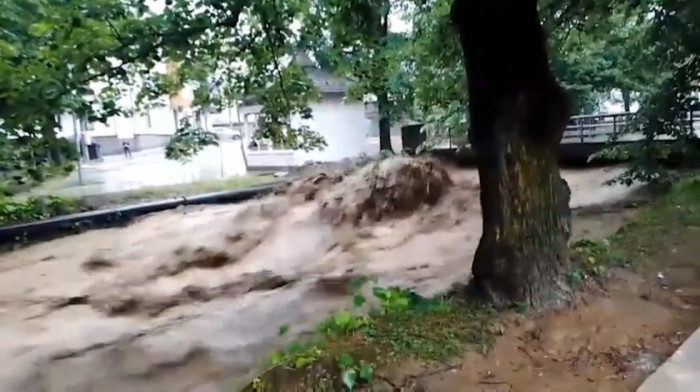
{"type": "Point", "coordinates": [77, 135]}
{"type": "Point", "coordinates": [221, 145]}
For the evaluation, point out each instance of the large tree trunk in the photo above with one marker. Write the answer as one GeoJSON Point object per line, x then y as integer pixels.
{"type": "Point", "coordinates": [384, 123]}
{"type": "Point", "coordinates": [518, 113]}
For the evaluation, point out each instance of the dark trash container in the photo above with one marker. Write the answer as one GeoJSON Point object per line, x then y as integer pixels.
{"type": "Point", "coordinates": [94, 151]}
{"type": "Point", "coordinates": [412, 137]}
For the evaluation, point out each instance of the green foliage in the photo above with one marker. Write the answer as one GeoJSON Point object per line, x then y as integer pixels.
{"type": "Point", "coordinates": [297, 355]}
{"type": "Point", "coordinates": [431, 330]}
{"type": "Point", "coordinates": [35, 208]}
{"type": "Point", "coordinates": [26, 161]}
{"type": "Point", "coordinates": [607, 51]}
{"type": "Point", "coordinates": [354, 373]}
{"type": "Point", "coordinates": [405, 325]}
{"type": "Point", "coordinates": [360, 45]}
{"type": "Point", "coordinates": [51, 50]}
{"type": "Point", "coordinates": [593, 259]}
{"type": "Point", "coordinates": [393, 299]}
{"type": "Point", "coordinates": [80, 56]}
{"type": "Point", "coordinates": [673, 37]}
{"type": "Point", "coordinates": [189, 139]}
{"type": "Point", "coordinates": [273, 123]}
{"type": "Point", "coordinates": [358, 300]}
{"type": "Point", "coordinates": [448, 123]}
{"type": "Point", "coordinates": [437, 74]}
{"type": "Point", "coordinates": [595, 47]}
{"type": "Point", "coordinates": [673, 216]}
{"type": "Point", "coordinates": [342, 323]}
{"type": "Point", "coordinates": [656, 230]}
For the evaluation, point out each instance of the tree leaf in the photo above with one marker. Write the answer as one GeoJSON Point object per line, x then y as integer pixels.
{"type": "Point", "coordinates": [342, 319]}
{"type": "Point", "coordinates": [302, 362]}
{"type": "Point", "coordinates": [346, 360]}
{"type": "Point", "coordinates": [40, 28]}
{"type": "Point", "coordinates": [366, 371]}
{"type": "Point", "coordinates": [359, 300]}
{"type": "Point", "coordinates": [349, 377]}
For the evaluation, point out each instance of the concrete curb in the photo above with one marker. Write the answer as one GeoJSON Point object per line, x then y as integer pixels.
{"type": "Point", "coordinates": [680, 373]}
{"type": "Point", "coordinates": [68, 224]}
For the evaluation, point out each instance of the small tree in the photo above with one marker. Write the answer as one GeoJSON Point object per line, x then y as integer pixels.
{"type": "Point", "coordinates": [365, 49]}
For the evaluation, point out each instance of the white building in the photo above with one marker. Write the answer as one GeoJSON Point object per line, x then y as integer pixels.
{"type": "Point", "coordinates": [342, 123]}
{"type": "Point", "coordinates": [349, 127]}
{"type": "Point", "coordinates": [143, 130]}
{"type": "Point", "coordinates": [149, 129]}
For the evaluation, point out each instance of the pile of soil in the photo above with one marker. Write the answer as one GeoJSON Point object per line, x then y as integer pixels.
{"type": "Point", "coordinates": [386, 188]}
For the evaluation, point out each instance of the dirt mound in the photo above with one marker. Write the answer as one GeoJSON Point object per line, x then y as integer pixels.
{"type": "Point", "coordinates": [386, 188]}
{"type": "Point", "coordinates": [344, 166]}
{"type": "Point", "coordinates": [175, 273]}
{"type": "Point", "coordinates": [307, 188]}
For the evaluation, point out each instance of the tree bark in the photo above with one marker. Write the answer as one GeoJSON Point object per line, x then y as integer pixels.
{"type": "Point", "coordinates": [626, 99]}
{"type": "Point", "coordinates": [384, 123]}
{"type": "Point", "coordinates": [48, 135]}
{"type": "Point", "coordinates": [518, 114]}
{"type": "Point", "coordinates": [382, 96]}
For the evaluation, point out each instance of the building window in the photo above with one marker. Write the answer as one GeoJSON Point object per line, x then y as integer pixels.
{"type": "Point", "coordinates": [147, 116]}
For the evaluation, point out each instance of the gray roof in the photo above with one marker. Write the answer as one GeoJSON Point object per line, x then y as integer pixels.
{"type": "Point", "coordinates": [323, 80]}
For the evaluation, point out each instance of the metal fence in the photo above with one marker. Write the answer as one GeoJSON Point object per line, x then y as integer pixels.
{"type": "Point", "coordinates": [601, 128]}
{"type": "Point", "coordinates": [596, 129]}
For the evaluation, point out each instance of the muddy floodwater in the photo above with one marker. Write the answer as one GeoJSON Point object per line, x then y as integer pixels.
{"type": "Point", "coordinates": [192, 299]}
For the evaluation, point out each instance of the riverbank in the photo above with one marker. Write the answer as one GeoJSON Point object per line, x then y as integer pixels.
{"type": "Point", "coordinates": [29, 208]}
{"type": "Point", "coordinates": [637, 301]}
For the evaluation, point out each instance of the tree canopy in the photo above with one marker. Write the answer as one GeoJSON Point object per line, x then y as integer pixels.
{"type": "Point", "coordinates": [78, 56]}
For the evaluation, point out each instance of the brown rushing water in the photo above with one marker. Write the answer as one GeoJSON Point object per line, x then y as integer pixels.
{"type": "Point", "coordinates": [181, 300]}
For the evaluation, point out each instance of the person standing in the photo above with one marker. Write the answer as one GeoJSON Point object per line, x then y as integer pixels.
{"type": "Point", "coordinates": [127, 149]}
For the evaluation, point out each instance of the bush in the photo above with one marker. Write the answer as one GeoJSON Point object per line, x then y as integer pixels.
{"type": "Point", "coordinates": [36, 208]}
{"type": "Point", "coordinates": [28, 162]}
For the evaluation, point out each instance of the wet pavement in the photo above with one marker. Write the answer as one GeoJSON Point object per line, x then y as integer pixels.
{"type": "Point", "coordinates": [148, 168]}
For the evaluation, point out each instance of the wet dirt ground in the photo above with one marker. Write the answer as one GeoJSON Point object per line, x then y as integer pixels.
{"type": "Point", "coordinates": [616, 333]}
{"type": "Point", "coordinates": [607, 342]}
{"type": "Point", "coordinates": [181, 300]}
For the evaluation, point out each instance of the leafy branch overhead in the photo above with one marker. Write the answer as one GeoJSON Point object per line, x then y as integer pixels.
{"type": "Point", "coordinates": [189, 139]}
{"type": "Point", "coordinates": [80, 56]}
